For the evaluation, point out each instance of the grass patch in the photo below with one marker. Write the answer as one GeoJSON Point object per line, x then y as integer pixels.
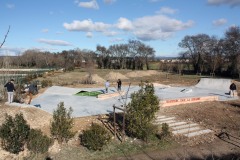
{"type": "Point", "coordinates": [114, 149]}
{"type": "Point", "coordinates": [86, 93]}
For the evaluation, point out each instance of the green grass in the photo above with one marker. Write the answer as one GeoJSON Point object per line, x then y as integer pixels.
{"type": "Point", "coordinates": [92, 93]}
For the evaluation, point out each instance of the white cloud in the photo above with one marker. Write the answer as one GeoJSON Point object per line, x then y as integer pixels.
{"type": "Point", "coordinates": [45, 30]}
{"type": "Point", "coordinates": [86, 26]}
{"type": "Point", "coordinates": [89, 34]}
{"type": "Point", "coordinates": [109, 1]}
{"type": "Point", "coordinates": [219, 22]}
{"type": "Point", "coordinates": [158, 27]}
{"type": "Point", "coordinates": [91, 4]}
{"type": "Point", "coordinates": [167, 10]}
{"type": "Point", "coordinates": [110, 33]}
{"type": "Point", "coordinates": [124, 24]}
{"type": "Point", "coordinates": [144, 28]}
{"type": "Point", "coordinates": [116, 40]}
{"type": "Point", "coordinates": [232, 3]}
{"type": "Point", "coordinates": [10, 51]}
{"type": "Point", "coordinates": [54, 42]}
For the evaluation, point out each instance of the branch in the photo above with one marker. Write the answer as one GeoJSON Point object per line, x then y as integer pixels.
{"type": "Point", "coordinates": [5, 37]}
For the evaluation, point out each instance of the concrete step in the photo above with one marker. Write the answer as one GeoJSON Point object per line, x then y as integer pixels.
{"type": "Point", "coordinates": [160, 117]}
{"type": "Point", "coordinates": [164, 119]}
{"type": "Point", "coordinates": [177, 124]}
{"type": "Point", "coordinates": [168, 122]}
{"type": "Point", "coordinates": [197, 133]}
{"type": "Point", "coordinates": [186, 130]}
{"type": "Point", "coordinates": [184, 126]}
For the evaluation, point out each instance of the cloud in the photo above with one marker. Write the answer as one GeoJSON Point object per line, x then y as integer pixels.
{"type": "Point", "coordinates": [144, 28]}
{"type": "Point", "coordinates": [158, 27]}
{"type": "Point", "coordinates": [89, 34]}
{"type": "Point", "coordinates": [54, 42]}
{"type": "Point", "coordinates": [86, 26]}
{"type": "Point", "coordinates": [11, 51]}
{"type": "Point", "coordinates": [124, 24]}
{"type": "Point", "coordinates": [219, 22]}
{"type": "Point", "coordinates": [109, 1]}
{"type": "Point", "coordinates": [116, 40]}
{"type": "Point", "coordinates": [110, 33]}
{"type": "Point", "coordinates": [10, 6]}
{"type": "Point", "coordinates": [45, 30]}
{"type": "Point", "coordinates": [232, 3]}
{"type": "Point", "coordinates": [166, 10]}
{"type": "Point", "coordinates": [91, 4]}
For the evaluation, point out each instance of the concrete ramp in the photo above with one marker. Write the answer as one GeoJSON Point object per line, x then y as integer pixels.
{"type": "Point", "coordinates": [216, 84]}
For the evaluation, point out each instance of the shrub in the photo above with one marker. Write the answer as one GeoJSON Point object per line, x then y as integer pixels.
{"type": "Point", "coordinates": [62, 123]}
{"type": "Point", "coordinates": [46, 83]}
{"type": "Point", "coordinates": [37, 142]}
{"type": "Point", "coordinates": [14, 133]}
{"type": "Point", "coordinates": [95, 137]}
{"type": "Point", "coordinates": [141, 112]}
{"type": "Point", "coordinates": [164, 131]}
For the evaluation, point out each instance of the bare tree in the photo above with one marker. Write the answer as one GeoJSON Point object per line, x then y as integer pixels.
{"type": "Point", "coordinates": [146, 52]}
{"type": "Point", "coordinates": [196, 48]}
{"type": "Point", "coordinates": [103, 57]}
{"type": "Point", "coordinates": [232, 47]}
{"type": "Point", "coordinates": [5, 37]}
{"type": "Point", "coordinates": [214, 54]}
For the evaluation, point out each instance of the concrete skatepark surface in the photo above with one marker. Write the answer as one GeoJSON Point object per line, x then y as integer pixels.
{"type": "Point", "coordinates": [88, 106]}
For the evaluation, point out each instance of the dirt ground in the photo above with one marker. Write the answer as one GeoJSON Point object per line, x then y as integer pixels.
{"type": "Point", "coordinates": [217, 116]}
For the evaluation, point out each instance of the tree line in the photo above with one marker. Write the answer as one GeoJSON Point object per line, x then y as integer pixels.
{"type": "Point", "coordinates": [209, 54]}
{"type": "Point", "coordinates": [202, 54]}
{"type": "Point", "coordinates": [134, 55]}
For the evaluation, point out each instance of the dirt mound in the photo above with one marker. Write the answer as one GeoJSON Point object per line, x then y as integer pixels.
{"type": "Point", "coordinates": [36, 118]}
{"type": "Point", "coordinates": [95, 78]}
{"type": "Point", "coordinates": [142, 73]}
{"type": "Point", "coordinates": [113, 76]}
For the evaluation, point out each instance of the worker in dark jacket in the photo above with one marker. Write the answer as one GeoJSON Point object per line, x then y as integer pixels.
{"type": "Point", "coordinates": [233, 89]}
{"type": "Point", "coordinates": [10, 89]}
{"type": "Point", "coordinates": [31, 90]}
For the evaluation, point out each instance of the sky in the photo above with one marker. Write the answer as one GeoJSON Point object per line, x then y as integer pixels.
{"type": "Point", "coordinates": [54, 26]}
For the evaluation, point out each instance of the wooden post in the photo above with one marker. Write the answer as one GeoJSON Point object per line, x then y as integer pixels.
{"type": "Point", "coordinates": [114, 121]}
{"type": "Point", "coordinates": [123, 131]}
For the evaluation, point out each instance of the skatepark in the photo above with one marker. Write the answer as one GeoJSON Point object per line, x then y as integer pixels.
{"type": "Point", "coordinates": [206, 89]}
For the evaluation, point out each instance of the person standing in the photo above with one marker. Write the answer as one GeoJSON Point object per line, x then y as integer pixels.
{"type": "Point", "coordinates": [119, 85]}
{"type": "Point", "coordinates": [107, 84]}
{"type": "Point", "coordinates": [10, 89]}
{"type": "Point", "coordinates": [233, 89]}
{"type": "Point", "coordinates": [31, 91]}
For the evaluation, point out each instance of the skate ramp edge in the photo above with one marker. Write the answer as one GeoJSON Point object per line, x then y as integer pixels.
{"type": "Point", "coordinates": [213, 83]}
{"type": "Point", "coordinates": [178, 101]}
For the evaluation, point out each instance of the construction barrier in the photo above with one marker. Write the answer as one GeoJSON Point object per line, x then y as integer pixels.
{"type": "Point", "coordinates": [173, 102]}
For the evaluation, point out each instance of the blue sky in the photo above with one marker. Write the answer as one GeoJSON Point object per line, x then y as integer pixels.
{"type": "Point", "coordinates": [51, 25]}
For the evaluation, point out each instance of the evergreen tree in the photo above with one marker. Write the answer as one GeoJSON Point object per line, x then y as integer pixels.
{"type": "Point", "coordinates": [141, 112]}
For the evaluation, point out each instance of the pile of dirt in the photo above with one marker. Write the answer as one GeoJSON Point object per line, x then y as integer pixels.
{"type": "Point", "coordinates": [142, 73]}
{"type": "Point", "coordinates": [94, 78]}
{"type": "Point", "coordinates": [114, 76]}
{"type": "Point", "coordinates": [35, 117]}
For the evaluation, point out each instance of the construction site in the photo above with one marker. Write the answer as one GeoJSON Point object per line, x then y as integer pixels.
{"type": "Point", "coordinates": [188, 108]}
